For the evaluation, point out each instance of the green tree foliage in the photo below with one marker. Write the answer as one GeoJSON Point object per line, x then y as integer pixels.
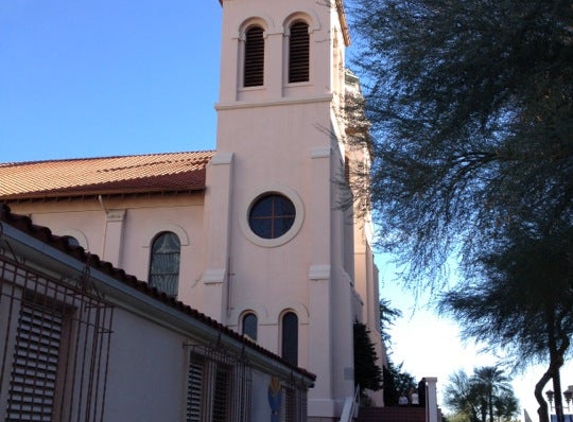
{"type": "Point", "coordinates": [391, 393]}
{"type": "Point", "coordinates": [367, 374]}
{"type": "Point", "coordinates": [396, 382]}
{"type": "Point", "coordinates": [505, 407]}
{"type": "Point", "coordinates": [461, 397]}
{"type": "Point", "coordinates": [388, 315]}
{"type": "Point", "coordinates": [485, 396]}
{"type": "Point", "coordinates": [522, 304]}
{"type": "Point", "coordinates": [492, 382]}
{"type": "Point", "coordinates": [471, 111]}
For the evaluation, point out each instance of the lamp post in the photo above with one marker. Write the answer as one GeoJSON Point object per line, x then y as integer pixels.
{"type": "Point", "coordinates": [552, 398]}
{"type": "Point", "coordinates": [568, 394]}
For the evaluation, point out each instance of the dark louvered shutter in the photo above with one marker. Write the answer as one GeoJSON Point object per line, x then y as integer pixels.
{"type": "Point", "coordinates": [254, 57]}
{"type": "Point", "coordinates": [194, 392]}
{"type": "Point", "coordinates": [298, 70]}
{"type": "Point", "coordinates": [32, 390]}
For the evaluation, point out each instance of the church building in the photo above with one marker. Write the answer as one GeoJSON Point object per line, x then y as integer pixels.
{"type": "Point", "coordinates": [253, 234]}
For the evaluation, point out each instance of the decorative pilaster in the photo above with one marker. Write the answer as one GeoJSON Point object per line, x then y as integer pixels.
{"type": "Point", "coordinates": [113, 236]}
{"type": "Point", "coordinates": [218, 229]}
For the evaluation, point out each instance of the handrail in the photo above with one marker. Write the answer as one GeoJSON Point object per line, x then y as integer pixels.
{"type": "Point", "coordinates": [350, 407]}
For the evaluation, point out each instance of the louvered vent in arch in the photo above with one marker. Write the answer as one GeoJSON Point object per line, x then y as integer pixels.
{"type": "Point", "coordinates": [298, 70]}
{"type": "Point", "coordinates": [254, 57]}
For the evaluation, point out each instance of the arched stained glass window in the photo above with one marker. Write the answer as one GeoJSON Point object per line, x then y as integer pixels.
{"type": "Point", "coordinates": [250, 322]}
{"type": "Point", "coordinates": [290, 338]}
{"type": "Point", "coordinates": [164, 265]}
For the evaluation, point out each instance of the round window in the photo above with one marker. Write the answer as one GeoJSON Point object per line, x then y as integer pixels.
{"type": "Point", "coordinates": [271, 216]}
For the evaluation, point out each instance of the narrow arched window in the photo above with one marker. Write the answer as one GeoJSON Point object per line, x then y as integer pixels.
{"type": "Point", "coordinates": [299, 54]}
{"type": "Point", "coordinates": [164, 263]}
{"type": "Point", "coordinates": [290, 338]}
{"type": "Point", "coordinates": [254, 57]}
{"type": "Point", "coordinates": [250, 322]}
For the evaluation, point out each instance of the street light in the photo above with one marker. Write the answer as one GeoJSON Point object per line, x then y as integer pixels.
{"type": "Point", "coordinates": [550, 396]}
{"type": "Point", "coordinates": [567, 394]}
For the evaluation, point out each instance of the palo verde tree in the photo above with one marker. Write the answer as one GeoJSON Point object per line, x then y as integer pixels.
{"type": "Point", "coordinates": [471, 111]}
{"type": "Point", "coordinates": [470, 104]}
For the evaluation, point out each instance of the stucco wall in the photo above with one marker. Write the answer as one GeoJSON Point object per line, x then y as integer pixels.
{"type": "Point", "coordinates": [147, 372]}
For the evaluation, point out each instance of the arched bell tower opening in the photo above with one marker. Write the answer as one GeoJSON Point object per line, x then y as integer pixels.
{"type": "Point", "coordinates": [298, 52]}
{"type": "Point", "coordinates": [254, 57]}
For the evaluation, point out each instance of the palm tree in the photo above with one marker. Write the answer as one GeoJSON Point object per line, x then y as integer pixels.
{"type": "Point", "coordinates": [486, 392]}
{"type": "Point", "coordinates": [493, 382]}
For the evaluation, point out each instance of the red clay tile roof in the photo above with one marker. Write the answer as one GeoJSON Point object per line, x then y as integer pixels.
{"type": "Point", "coordinates": [181, 171]}
{"type": "Point", "coordinates": [44, 234]}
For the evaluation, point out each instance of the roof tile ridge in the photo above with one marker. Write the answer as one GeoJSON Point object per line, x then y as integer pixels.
{"type": "Point", "coordinates": [33, 162]}
{"type": "Point", "coordinates": [102, 157]}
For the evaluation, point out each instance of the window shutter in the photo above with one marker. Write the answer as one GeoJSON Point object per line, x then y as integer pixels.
{"type": "Point", "coordinates": [32, 392]}
{"type": "Point", "coordinates": [299, 53]}
{"type": "Point", "coordinates": [254, 57]}
{"type": "Point", "coordinates": [194, 392]}
{"type": "Point", "coordinates": [218, 387]}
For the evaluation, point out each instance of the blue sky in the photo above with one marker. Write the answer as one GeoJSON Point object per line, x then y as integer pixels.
{"type": "Point", "coordinates": [109, 77]}
{"type": "Point", "coordinates": [86, 78]}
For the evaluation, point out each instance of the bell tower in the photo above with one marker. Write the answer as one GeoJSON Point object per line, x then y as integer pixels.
{"type": "Point", "coordinates": [279, 259]}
